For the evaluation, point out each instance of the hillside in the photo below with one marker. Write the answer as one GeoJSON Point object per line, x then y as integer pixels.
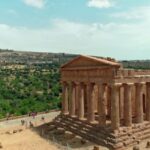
{"type": "Point", "coordinates": [31, 58]}
{"type": "Point", "coordinates": [8, 57]}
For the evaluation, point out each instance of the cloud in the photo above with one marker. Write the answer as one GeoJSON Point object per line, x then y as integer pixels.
{"type": "Point", "coordinates": [134, 14]}
{"type": "Point", "coordinates": [125, 40]}
{"type": "Point", "coordinates": [99, 3]}
{"type": "Point", "coordinates": [35, 3]}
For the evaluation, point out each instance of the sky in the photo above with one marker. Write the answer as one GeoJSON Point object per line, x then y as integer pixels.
{"type": "Point", "coordinates": [108, 28]}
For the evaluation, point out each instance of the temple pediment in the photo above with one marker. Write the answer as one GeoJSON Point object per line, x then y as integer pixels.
{"type": "Point", "coordinates": [89, 62]}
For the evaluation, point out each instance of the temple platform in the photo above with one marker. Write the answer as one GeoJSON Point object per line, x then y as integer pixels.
{"type": "Point", "coordinates": [114, 140]}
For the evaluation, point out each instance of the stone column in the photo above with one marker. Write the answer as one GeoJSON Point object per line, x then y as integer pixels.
{"type": "Point", "coordinates": [81, 102]}
{"type": "Point", "coordinates": [102, 104]}
{"type": "Point", "coordinates": [115, 117]}
{"type": "Point", "coordinates": [148, 101]}
{"type": "Point", "coordinates": [88, 92]}
{"type": "Point", "coordinates": [109, 101]}
{"type": "Point", "coordinates": [85, 100]}
{"type": "Point", "coordinates": [72, 100]}
{"type": "Point", "coordinates": [90, 102]}
{"type": "Point", "coordinates": [133, 93]}
{"type": "Point", "coordinates": [65, 108]}
{"type": "Point", "coordinates": [139, 102]}
{"type": "Point", "coordinates": [121, 102]}
{"type": "Point", "coordinates": [77, 98]}
{"type": "Point", "coordinates": [127, 104]}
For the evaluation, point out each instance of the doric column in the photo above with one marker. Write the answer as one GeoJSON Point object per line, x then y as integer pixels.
{"type": "Point", "coordinates": [72, 100]}
{"type": "Point", "coordinates": [77, 98]}
{"type": "Point", "coordinates": [109, 101]}
{"type": "Point", "coordinates": [121, 102]}
{"type": "Point", "coordinates": [88, 92]}
{"type": "Point", "coordinates": [148, 101]}
{"type": "Point", "coordinates": [139, 102]}
{"type": "Point", "coordinates": [133, 93]}
{"type": "Point", "coordinates": [115, 118]}
{"type": "Point", "coordinates": [90, 103]}
{"type": "Point", "coordinates": [65, 109]}
{"type": "Point", "coordinates": [102, 104]}
{"type": "Point", "coordinates": [127, 104]}
{"type": "Point", "coordinates": [85, 100]}
{"type": "Point", "coordinates": [81, 102]}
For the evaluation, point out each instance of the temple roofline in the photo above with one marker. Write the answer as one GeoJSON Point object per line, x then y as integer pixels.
{"type": "Point", "coordinates": [95, 59]}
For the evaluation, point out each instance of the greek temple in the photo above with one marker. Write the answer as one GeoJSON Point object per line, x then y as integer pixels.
{"type": "Point", "coordinates": [102, 98]}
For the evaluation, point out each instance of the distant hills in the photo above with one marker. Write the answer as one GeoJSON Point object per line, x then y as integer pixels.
{"type": "Point", "coordinates": [23, 57]}
{"type": "Point", "coordinates": [29, 58]}
{"type": "Point", "coordinates": [136, 64]}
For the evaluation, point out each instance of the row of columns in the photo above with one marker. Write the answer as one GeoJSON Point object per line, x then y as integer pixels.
{"type": "Point", "coordinates": [139, 114]}
{"type": "Point", "coordinates": [75, 94]}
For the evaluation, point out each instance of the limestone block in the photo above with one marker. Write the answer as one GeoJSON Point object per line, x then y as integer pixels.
{"type": "Point", "coordinates": [136, 148]}
{"type": "Point", "coordinates": [96, 148]}
{"type": "Point", "coordinates": [148, 144]}
{"type": "Point", "coordinates": [1, 146]}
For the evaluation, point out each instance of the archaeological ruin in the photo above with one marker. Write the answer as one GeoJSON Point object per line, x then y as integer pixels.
{"type": "Point", "coordinates": [105, 103]}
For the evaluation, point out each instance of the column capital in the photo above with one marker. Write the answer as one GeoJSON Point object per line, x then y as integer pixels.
{"type": "Point", "coordinates": [73, 83]}
{"type": "Point", "coordinates": [77, 83]}
{"type": "Point", "coordinates": [148, 83]}
{"type": "Point", "coordinates": [100, 83]}
{"type": "Point", "coordinates": [140, 83]}
{"type": "Point", "coordinates": [128, 84]}
{"type": "Point", "coordinates": [89, 83]}
{"type": "Point", "coordinates": [115, 85]}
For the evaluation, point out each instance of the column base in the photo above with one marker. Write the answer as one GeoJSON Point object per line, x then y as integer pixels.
{"type": "Point", "coordinates": [93, 122]}
{"type": "Point", "coordinates": [82, 119]}
{"type": "Point", "coordinates": [65, 113]}
{"type": "Point", "coordinates": [73, 116]}
{"type": "Point", "coordinates": [102, 125]}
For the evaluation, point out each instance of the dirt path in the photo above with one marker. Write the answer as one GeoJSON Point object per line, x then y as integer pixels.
{"type": "Point", "coordinates": [17, 122]}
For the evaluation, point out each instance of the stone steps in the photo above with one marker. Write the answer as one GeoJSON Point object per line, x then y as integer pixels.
{"type": "Point", "coordinates": [88, 132]}
{"type": "Point", "coordinates": [104, 136]}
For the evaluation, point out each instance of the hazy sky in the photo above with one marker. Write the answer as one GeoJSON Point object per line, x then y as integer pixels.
{"type": "Point", "coordinates": [115, 28]}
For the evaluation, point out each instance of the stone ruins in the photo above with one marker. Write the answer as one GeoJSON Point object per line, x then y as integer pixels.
{"type": "Point", "coordinates": [105, 103]}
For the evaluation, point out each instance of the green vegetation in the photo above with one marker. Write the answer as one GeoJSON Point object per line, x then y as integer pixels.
{"type": "Point", "coordinates": [29, 89]}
